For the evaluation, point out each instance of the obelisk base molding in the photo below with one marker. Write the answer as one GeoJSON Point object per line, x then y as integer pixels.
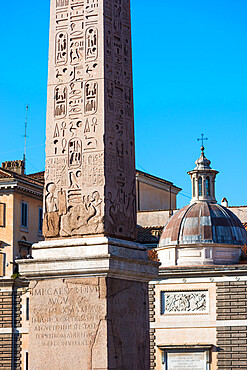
{"type": "Point", "coordinates": [89, 304]}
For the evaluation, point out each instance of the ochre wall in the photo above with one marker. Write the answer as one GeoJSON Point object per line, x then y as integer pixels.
{"type": "Point", "coordinates": [12, 232]}
{"type": "Point", "coordinates": [6, 232]}
{"type": "Point", "coordinates": [240, 212]}
{"type": "Point", "coordinates": [31, 234]}
{"type": "Point", "coordinates": [152, 198]}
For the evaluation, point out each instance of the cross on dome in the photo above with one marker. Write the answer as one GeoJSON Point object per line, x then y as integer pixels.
{"type": "Point", "coordinates": [202, 139]}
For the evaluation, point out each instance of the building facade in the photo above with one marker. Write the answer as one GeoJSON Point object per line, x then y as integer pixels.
{"type": "Point", "coordinates": [198, 304]}
{"type": "Point", "coordinates": [20, 227]}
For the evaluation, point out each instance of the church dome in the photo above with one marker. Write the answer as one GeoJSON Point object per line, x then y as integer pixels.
{"type": "Point", "coordinates": [204, 232]}
{"type": "Point", "coordinates": [203, 222]}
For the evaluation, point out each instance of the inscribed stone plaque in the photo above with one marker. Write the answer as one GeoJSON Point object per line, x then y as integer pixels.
{"type": "Point", "coordinates": [90, 161]}
{"type": "Point", "coordinates": [67, 317]}
{"type": "Point", "coordinates": [187, 361]}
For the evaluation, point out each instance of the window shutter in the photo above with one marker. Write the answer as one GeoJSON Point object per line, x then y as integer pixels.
{"type": "Point", "coordinates": [1, 264]}
{"type": "Point", "coordinates": [40, 219]}
{"type": "Point", "coordinates": [24, 214]}
{"type": "Point", "coordinates": [2, 214]}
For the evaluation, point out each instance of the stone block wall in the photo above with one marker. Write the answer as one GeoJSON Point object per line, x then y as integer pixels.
{"type": "Point", "coordinates": [232, 340]}
{"type": "Point", "coordinates": [232, 300]}
{"type": "Point", "coordinates": [10, 341]}
{"type": "Point", "coordinates": [232, 343]}
{"type": "Point", "coordinates": [152, 331]}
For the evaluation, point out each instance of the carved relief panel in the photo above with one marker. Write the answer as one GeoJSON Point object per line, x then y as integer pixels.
{"type": "Point", "coordinates": [184, 302]}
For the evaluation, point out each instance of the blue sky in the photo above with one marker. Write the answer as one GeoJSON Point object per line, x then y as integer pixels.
{"type": "Point", "coordinates": [190, 77]}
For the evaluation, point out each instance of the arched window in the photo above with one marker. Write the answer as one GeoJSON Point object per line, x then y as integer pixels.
{"type": "Point", "coordinates": [208, 186]}
{"type": "Point", "coordinates": [200, 186]}
{"type": "Point", "coordinates": [194, 187]}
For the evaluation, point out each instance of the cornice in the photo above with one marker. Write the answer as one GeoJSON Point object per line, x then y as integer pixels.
{"type": "Point", "coordinates": [22, 186]}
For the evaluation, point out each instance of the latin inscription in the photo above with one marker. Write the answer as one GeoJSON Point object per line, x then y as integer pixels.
{"type": "Point", "coordinates": [68, 316]}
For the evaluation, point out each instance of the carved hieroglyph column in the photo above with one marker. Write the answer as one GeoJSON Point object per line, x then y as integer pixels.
{"type": "Point", "coordinates": [90, 164]}
{"type": "Point", "coordinates": [89, 280]}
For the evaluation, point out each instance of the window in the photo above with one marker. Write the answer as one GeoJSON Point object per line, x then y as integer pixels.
{"type": "Point", "coordinates": [40, 219]}
{"type": "Point", "coordinates": [200, 186]}
{"type": "Point", "coordinates": [26, 367]}
{"type": "Point", "coordinates": [24, 214]}
{"type": "Point", "coordinates": [2, 215]}
{"type": "Point", "coordinates": [208, 186]}
{"type": "Point", "coordinates": [194, 187]}
{"type": "Point", "coordinates": [27, 309]}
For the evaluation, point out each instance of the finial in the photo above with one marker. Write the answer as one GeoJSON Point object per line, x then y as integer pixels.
{"type": "Point", "coordinates": [202, 139]}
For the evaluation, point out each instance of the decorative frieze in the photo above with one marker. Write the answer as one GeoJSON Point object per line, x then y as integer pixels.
{"type": "Point", "coordinates": [184, 302]}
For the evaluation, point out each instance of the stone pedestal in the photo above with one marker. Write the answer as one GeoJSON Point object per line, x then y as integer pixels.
{"type": "Point", "coordinates": [89, 304]}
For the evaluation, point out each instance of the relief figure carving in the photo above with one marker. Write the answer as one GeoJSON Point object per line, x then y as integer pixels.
{"type": "Point", "coordinates": [121, 216]}
{"type": "Point", "coordinates": [51, 199]}
{"type": "Point", "coordinates": [84, 217]}
{"type": "Point", "coordinates": [185, 302]}
{"type": "Point", "coordinates": [51, 218]}
{"type": "Point", "coordinates": [51, 224]}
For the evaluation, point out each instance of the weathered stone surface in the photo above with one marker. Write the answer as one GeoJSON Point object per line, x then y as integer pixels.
{"type": "Point", "coordinates": [90, 166]}
{"type": "Point", "coordinates": [89, 323]}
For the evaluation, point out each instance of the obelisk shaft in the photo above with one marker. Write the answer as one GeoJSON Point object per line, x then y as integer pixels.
{"type": "Point", "coordinates": [90, 164]}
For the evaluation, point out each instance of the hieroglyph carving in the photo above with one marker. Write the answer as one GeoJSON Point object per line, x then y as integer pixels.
{"type": "Point", "coordinates": [185, 302]}
{"type": "Point", "coordinates": [91, 44]}
{"type": "Point", "coordinates": [60, 101]}
{"type": "Point", "coordinates": [61, 48]}
{"type": "Point", "coordinates": [90, 169]}
{"type": "Point", "coordinates": [91, 97]}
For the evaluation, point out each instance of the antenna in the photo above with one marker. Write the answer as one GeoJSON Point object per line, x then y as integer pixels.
{"type": "Point", "coordinates": [25, 146]}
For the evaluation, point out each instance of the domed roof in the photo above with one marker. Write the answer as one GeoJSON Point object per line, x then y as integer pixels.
{"type": "Point", "coordinates": [203, 222]}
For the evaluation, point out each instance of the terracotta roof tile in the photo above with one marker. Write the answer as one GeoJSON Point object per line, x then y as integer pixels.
{"type": "Point", "coordinates": [149, 235]}
{"type": "Point", "coordinates": [7, 174]}
{"type": "Point", "coordinates": [204, 222]}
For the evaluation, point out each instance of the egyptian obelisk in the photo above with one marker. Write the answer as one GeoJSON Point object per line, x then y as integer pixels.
{"type": "Point", "coordinates": [88, 279]}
